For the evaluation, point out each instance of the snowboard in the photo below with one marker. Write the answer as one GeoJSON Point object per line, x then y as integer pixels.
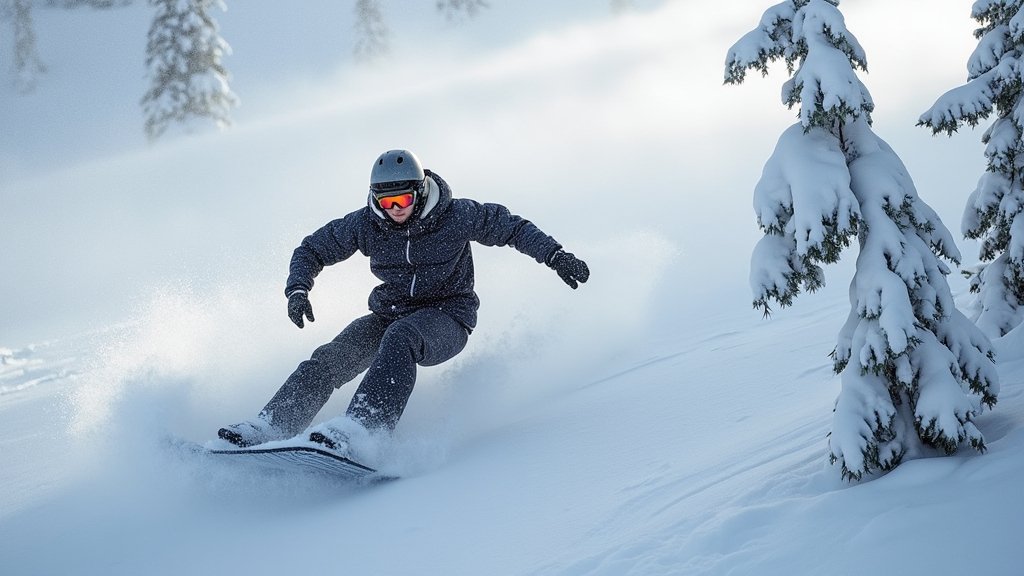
{"type": "Point", "coordinates": [303, 458]}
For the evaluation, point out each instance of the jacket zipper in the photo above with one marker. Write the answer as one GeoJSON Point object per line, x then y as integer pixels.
{"type": "Point", "coordinates": [408, 258]}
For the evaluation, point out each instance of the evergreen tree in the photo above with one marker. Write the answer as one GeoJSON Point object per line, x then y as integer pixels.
{"type": "Point", "coordinates": [454, 8]}
{"type": "Point", "coordinates": [88, 3]}
{"type": "Point", "coordinates": [187, 77]}
{"type": "Point", "coordinates": [619, 6]}
{"type": "Point", "coordinates": [914, 370]}
{"type": "Point", "coordinates": [28, 66]}
{"type": "Point", "coordinates": [372, 36]}
{"type": "Point", "coordinates": [995, 210]}
{"type": "Point", "coordinates": [371, 40]}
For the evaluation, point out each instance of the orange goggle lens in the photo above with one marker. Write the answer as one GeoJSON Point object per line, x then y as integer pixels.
{"type": "Point", "coordinates": [401, 200]}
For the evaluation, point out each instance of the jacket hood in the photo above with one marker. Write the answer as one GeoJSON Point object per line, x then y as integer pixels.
{"type": "Point", "coordinates": [436, 198]}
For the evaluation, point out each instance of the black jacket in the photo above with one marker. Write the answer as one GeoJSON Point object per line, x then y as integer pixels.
{"type": "Point", "coordinates": [425, 262]}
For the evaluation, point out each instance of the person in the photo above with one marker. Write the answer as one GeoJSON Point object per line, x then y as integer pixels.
{"type": "Point", "coordinates": [417, 237]}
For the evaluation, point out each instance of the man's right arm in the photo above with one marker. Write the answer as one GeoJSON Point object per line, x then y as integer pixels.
{"type": "Point", "coordinates": [331, 244]}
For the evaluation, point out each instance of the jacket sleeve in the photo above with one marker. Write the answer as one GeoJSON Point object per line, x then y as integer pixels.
{"type": "Point", "coordinates": [334, 242]}
{"type": "Point", "coordinates": [495, 225]}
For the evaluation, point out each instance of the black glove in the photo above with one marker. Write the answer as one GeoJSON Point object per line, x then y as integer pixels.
{"type": "Point", "coordinates": [570, 268]}
{"type": "Point", "coordinates": [299, 306]}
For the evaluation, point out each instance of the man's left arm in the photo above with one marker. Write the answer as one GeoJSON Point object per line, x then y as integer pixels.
{"type": "Point", "coordinates": [495, 225]}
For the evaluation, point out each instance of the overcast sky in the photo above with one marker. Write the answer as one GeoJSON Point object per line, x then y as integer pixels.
{"type": "Point", "coordinates": [601, 128]}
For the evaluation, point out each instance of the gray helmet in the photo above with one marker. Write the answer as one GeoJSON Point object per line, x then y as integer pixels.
{"type": "Point", "coordinates": [396, 170]}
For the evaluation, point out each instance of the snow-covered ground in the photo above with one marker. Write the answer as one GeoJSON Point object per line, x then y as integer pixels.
{"type": "Point", "coordinates": [649, 423]}
{"type": "Point", "coordinates": [695, 452]}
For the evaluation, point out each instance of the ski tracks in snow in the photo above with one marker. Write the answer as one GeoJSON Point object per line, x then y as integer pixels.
{"type": "Point", "coordinates": [686, 515]}
{"type": "Point", "coordinates": [29, 367]}
{"type": "Point", "coordinates": [672, 523]}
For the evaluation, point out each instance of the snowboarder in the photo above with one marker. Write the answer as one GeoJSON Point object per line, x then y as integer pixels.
{"type": "Point", "coordinates": [417, 237]}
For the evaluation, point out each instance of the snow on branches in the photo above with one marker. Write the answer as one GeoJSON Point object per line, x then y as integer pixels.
{"type": "Point", "coordinates": [811, 36]}
{"type": "Point", "coordinates": [993, 213]}
{"type": "Point", "coordinates": [808, 213]}
{"type": "Point", "coordinates": [915, 371]}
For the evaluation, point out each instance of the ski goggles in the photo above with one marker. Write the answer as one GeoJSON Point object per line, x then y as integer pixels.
{"type": "Point", "coordinates": [403, 200]}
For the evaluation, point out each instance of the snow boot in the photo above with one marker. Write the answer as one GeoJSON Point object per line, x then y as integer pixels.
{"type": "Point", "coordinates": [250, 432]}
{"type": "Point", "coordinates": [332, 438]}
{"type": "Point", "coordinates": [338, 435]}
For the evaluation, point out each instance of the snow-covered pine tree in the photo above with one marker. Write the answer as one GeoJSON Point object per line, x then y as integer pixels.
{"type": "Point", "coordinates": [88, 3]}
{"type": "Point", "coordinates": [372, 36]}
{"type": "Point", "coordinates": [371, 33]}
{"type": "Point", "coordinates": [995, 210]}
{"type": "Point", "coordinates": [915, 371]}
{"type": "Point", "coordinates": [454, 9]}
{"type": "Point", "coordinates": [619, 6]}
{"type": "Point", "coordinates": [28, 67]}
{"type": "Point", "coordinates": [184, 56]}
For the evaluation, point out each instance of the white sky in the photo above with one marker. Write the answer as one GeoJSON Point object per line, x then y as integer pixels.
{"type": "Point", "coordinates": [624, 122]}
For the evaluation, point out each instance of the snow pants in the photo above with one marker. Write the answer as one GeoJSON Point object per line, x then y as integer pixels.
{"type": "Point", "coordinates": [388, 350]}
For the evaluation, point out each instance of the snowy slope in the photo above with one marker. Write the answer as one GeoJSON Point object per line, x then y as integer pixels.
{"type": "Point", "coordinates": [698, 454]}
{"type": "Point", "coordinates": [649, 423]}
